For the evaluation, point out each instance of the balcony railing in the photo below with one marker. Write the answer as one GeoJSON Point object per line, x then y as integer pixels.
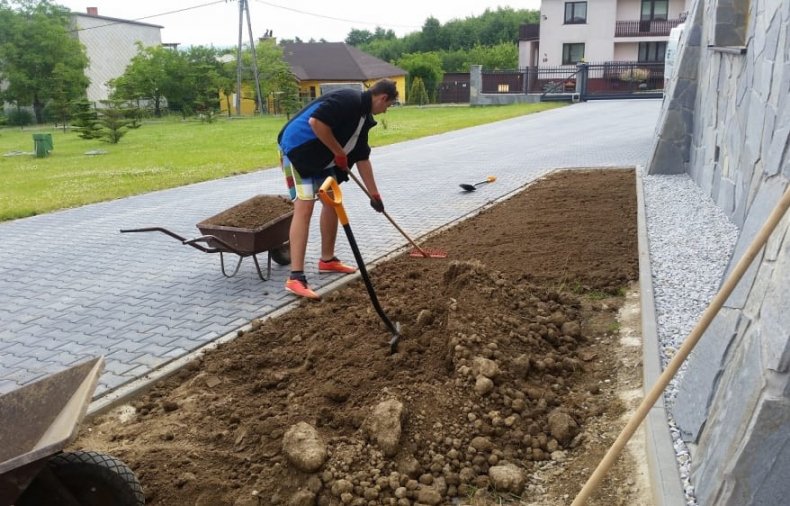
{"type": "Point", "coordinates": [645, 28]}
{"type": "Point", "coordinates": [529, 32]}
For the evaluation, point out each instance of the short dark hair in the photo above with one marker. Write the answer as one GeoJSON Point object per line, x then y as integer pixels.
{"type": "Point", "coordinates": [385, 87]}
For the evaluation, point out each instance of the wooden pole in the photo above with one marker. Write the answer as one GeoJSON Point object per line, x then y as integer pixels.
{"type": "Point", "coordinates": [684, 351]}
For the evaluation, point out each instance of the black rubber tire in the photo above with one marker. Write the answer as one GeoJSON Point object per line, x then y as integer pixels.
{"type": "Point", "coordinates": [282, 255]}
{"type": "Point", "coordinates": [92, 478]}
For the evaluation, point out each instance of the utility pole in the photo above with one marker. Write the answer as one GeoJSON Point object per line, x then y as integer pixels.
{"type": "Point", "coordinates": [244, 7]}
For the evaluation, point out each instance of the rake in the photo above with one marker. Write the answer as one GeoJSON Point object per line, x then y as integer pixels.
{"type": "Point", "coordinates": [417, 251]}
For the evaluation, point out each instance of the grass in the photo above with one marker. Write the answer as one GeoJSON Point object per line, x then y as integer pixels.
{"type": "Point", "coordinates": [170, 152]}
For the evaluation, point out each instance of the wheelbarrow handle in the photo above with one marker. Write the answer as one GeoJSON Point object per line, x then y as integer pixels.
{"type": "Point", "coordinates": [154, 229]}
{"type": "Point", "coordinates": [206, 238]}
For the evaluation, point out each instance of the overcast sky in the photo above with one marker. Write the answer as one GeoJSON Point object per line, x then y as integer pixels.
{"type": "Point", "coordinates": [206, 22]}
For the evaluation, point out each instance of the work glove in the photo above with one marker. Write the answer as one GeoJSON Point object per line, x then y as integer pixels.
{"type": "Point", "coordinates": [341, 162]}
{"type": "Point", "coordinates": [376, 203]}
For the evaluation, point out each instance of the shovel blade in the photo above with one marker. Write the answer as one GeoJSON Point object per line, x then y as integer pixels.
{"type": "Point", "coordinates": [468, 187]}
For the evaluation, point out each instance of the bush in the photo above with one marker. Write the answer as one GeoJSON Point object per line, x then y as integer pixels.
{"type": "Point", "coordinates": [635, 75]}
{"type": "Point", "coordinates": [86, 120]}
{"type": "Point", "coordinates": [418, 95]}
{"type": "Point", "coordinates": [19, 117]}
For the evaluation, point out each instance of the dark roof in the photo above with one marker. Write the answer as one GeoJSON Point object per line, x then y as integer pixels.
{"type": "Point", "coordinates": [335, 61]}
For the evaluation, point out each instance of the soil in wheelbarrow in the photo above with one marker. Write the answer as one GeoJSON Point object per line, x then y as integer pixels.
{"type": "Point", "coordinates": [252, 214]}
{"type": "Point", "coordinates": [508, 387]}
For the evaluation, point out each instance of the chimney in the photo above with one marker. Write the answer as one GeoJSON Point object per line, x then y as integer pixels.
{"type": "Point", "coordinates": [93, 11]}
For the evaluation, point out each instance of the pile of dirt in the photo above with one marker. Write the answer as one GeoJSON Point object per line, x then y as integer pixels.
{"type": "Point", "coordinates": [503, 388]}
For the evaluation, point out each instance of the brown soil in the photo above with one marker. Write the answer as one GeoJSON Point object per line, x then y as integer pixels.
{"type": "Point", "coordinates": [253, 213]}
{"type": "Point", "coordinates": [532, 284]}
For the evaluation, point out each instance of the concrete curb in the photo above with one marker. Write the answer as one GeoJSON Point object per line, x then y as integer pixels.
{"type": "Point", "coordinates": [661, 461]}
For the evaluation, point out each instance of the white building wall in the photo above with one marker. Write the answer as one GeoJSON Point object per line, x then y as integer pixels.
{"type": "Point", "coordinates": [628, 51]}
{"type": "Point", "coordinates": [598, 33]}
{"type": "Point", "coordinates": [110, 46]}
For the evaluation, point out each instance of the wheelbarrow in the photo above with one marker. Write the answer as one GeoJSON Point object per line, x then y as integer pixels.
{"type": "Point", "coordinates": [271, 238]}
{"type": "Point", "coordinates": [37, 421]}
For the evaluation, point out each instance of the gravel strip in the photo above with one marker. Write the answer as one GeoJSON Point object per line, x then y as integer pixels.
{"type": "Point", "coordinates": [691, 241]}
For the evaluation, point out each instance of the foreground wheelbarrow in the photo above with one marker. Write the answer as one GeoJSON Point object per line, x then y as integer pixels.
{"type": "Point", "coordinates": [272, 238]}
{"type": "Point", "coordinates": [36, 422]}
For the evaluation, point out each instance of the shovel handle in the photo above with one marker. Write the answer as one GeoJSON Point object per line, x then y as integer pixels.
{"type": "Point", "coordinates": [335, 200]}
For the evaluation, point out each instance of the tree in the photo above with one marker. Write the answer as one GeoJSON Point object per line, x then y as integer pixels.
{"type": "Point", "coordinates": [358, 37]}
{"type": "Point", "coordinates": [497, 57]}
{"type": "Point", "coordinates": [39, 59]}
{"type": "Point", "coordinates": [276, 77]}
{"type": "Point", "coordinates": [154, 75]}
{"type": "Point", "coordinates": [113, 119]}
{"type": "Point", "coordinates": [489, 29]}
{"type": "Point", "coordinates": [426, 66]}
{"type": "Point", "coordinates": [417, 94]}
{"type": "Point", "coordinates": [86, 121]}
{"type": "Point", "coordinates": [206, 75]}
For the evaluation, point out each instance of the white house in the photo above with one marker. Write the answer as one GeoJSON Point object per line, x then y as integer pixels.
{"type": "Point", "coordinates": [599, 31]}
{"type": "Point", "coordinates": [110, 44]}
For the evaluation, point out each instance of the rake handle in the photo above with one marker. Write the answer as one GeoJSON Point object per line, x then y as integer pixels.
{"type": "Point", "coordinates": [683, 352]}
{"type": "Point", "coordinates": [403, 233]}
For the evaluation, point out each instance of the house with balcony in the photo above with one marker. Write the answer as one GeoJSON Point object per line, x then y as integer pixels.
{"type": "Point", "coordinates": [599, 31]}
{"type": "Point", "coordinates": [622, 41]}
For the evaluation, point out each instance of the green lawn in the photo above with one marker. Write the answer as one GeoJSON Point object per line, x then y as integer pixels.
{"type": "Point", "coordinates": [169, 153]}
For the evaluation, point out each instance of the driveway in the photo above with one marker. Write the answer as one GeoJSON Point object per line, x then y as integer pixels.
{"type": "Point", "coordinates": [72, 286]}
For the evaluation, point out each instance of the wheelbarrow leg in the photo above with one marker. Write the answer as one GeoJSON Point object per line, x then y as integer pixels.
{"type": "Point", "coordinates": [268, 266]}
{"type": "Point", "coordinates": [222, 265]}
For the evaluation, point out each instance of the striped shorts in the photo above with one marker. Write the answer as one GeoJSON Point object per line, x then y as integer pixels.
{"type": "Point", "coordinates": [302, 188]}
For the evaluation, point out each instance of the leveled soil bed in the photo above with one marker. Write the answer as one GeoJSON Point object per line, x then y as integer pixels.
{"type": "Point", "coordinates": [507, 385]}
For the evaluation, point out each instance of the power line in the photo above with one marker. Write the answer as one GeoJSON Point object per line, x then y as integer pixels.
{"type": "Point", "coordinates": [323, 16]}
{"type": "Point", "coordinates": [121, 21]}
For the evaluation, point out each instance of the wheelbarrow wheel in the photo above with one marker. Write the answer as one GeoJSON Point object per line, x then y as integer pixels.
{"type": "Point", "coordinates": [85, 478]}
{"type": "Point", "coordinates": [282, 254]}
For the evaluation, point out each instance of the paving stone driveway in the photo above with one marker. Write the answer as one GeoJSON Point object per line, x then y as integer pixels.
{"type": "Point", "coordinates": [72, 286]}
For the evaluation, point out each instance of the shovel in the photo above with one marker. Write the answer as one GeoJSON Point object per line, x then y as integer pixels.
{"type": "Point", "coordinates": [336, 201]}
{"type": "Point", "coordinates": [473, 187]}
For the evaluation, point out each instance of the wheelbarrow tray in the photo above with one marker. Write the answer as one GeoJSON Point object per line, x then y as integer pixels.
{"type": "Point", "coordinates": [39, 420]}
{"type": "Point", "coordinates": [269, 236]}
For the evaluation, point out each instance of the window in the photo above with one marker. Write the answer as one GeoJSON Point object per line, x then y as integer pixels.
{"type": "Point", "coordinates": [575, 13]}
{"type": "Point", "coordinates": [572, 53]}
{"type": "Point", "coordinates": [732, 18]}
{"type": "Point", "coordinates": [655, 10]}
{"type": "Point", "coordinates": [652, 51]}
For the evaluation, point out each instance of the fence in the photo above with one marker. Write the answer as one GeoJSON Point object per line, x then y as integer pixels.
{"type": "Point", "coordinates": [607, 78]}
{"type": "Point", "coordinates": [645, 28]}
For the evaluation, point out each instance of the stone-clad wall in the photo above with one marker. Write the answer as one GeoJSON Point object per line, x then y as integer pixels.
{"type": "Point", "coordinates": [726, 122]}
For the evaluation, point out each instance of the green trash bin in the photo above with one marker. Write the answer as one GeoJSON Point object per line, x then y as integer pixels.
{"type": "Point", "coordinates": [42, 144]}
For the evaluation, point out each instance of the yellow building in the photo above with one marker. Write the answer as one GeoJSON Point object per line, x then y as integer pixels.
{"type": "Point", "coordinates": [248, 103]}
{"type": "Point", "coordinates": [328, 65]}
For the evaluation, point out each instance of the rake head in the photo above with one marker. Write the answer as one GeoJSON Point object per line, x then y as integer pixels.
{"type": "Point", "coordinates": [428, 253]}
